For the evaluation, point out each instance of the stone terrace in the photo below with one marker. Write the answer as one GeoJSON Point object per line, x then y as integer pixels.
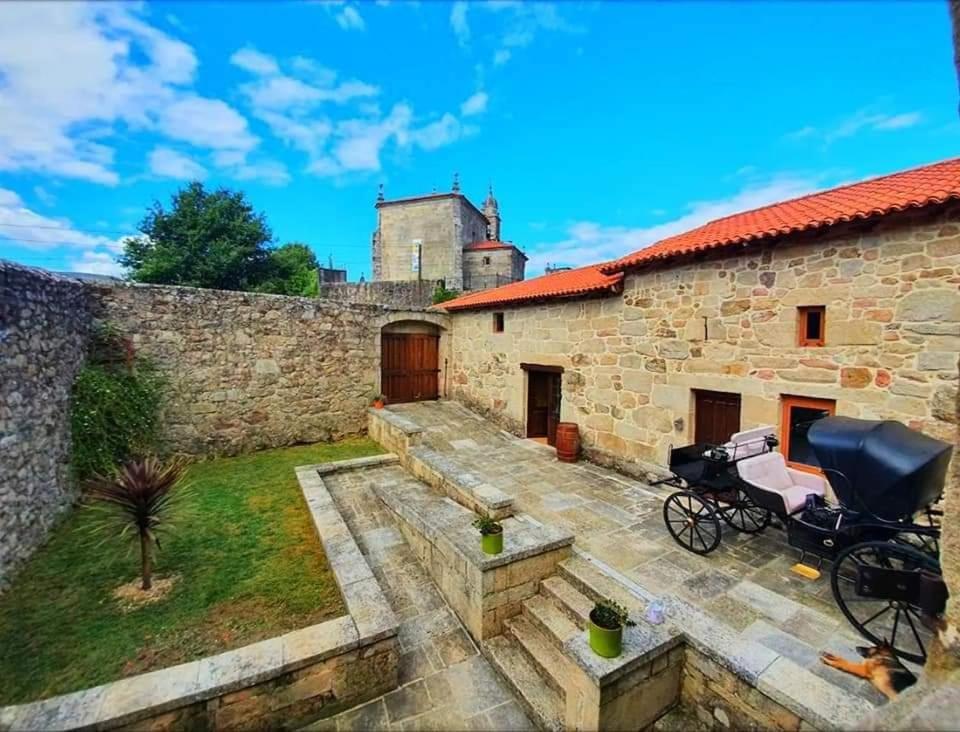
{"type": "Point", "coordinates": [746, 584]}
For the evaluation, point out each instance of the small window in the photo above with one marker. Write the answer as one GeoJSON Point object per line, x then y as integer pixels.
{"type": "Point", "coordinates": [812, 325]}
{"type": "Point", "coordinates": [498, 322]}
{"type": "Point", "coordinates": [486, 260]}
{"type": "Point", "coordinates": [798, 414]}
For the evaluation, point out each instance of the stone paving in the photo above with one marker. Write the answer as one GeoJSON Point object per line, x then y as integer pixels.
{"type": "Point", "coordinates": [746, 583]}
{"type": "Point", "coordinates": [445, 683]}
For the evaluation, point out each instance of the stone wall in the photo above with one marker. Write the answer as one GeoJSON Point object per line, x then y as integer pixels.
{"type": "Point", "coordinates": [250, 371]}
{"type": "Point", "coordinates": [44, 324]}
{"type": "Point", "coordinates": [412, 294]}
{"type": "Point", "coordinates": [486, 268]}
{"type": "Point", "coordinates": [729, 323]}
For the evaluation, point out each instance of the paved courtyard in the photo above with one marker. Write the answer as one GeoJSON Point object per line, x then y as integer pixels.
{"type": "Point", "coordinates": [445, 684]}
{"type": "Point", "coordinates": [746, 583]}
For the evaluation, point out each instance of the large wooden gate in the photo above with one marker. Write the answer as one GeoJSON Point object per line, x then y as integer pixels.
{"type": "Point", "coordinates": [410, 367]}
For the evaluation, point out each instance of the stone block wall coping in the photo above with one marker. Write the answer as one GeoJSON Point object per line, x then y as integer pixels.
{"type": "Point", "coordinates": [641, 644]}
{"type": "Point", "coordinates": [438, 518]}
{"type": "Point", "coordinates": [372, 461]}
{"type": "Point", "coordinates": [365, 600]}
{"type": "Point", "coordinates": [407, 426]}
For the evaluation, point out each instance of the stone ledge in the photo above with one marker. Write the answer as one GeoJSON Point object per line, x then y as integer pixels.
{"type": "Point", "coordinates": [372, 461]}
{"type": "Point", "coordinates": [464, 487]}
{"type": "Point", "coordinates": [642, 643]}
{"type": "Point", "coordinates": [405, 425]}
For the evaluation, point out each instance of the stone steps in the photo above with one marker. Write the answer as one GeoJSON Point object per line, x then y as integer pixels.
{"type": "Point", "coordinates": [541, 700]}
{"type": "Point", "coordinates": [547, 616]}
{"type": "Point", "coordinates": [596, 585]}
{"type": "Point", "coordinates": [547, 659]}
{"type": "Point", "coordinates": [574, 605]}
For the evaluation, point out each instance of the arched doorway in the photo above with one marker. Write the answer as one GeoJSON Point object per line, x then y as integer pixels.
{"type": "Point", "coordinates": [410, 361]}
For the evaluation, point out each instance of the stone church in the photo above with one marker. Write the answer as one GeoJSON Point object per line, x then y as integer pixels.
{"type": "Point", "coordinates": [443, 236]}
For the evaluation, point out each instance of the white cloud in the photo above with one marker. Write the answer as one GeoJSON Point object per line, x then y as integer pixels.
{"type": "Point", "coordinates": [113, 70]}
{"type": "Point", "coordinates": [863, 120]}
{"type": "Point", "coordinates": [459, 23]}
{"type": "Point", "coordinates": [101, 263]}
{"type": "Point", "coordinates": [168, 163]}
{"type": "Point", "coordinates": [501, 56]}
{"type": "Point", "coordinates": [346, 14]}
{"type": "Point", "coordinates": [29, 229]}
{"type": "Point", "coordinates": [271, 172]}
{"type": "Point", "coordinates": [45, 196]}
{"type": "Point", "coordinates": [476, 104]}
{"type": "Point", "coordinates": [250, 59]}
{"type": "Point", "coordinates": [589, 242]}
{"type": "Point", "coordinates": [441, 133]}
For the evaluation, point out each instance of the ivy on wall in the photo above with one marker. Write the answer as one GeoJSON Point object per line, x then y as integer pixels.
{"type": "Point", "coordinates": [115, 408]}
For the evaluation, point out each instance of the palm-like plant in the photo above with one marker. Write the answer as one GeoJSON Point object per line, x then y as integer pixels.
{"type": "Point", "coordinates": [139, 500]}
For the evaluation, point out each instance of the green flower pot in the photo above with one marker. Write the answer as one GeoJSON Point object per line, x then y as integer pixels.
{"type": "Point", "coordinates": [605, 642]}
{"type": "Point", "coordinates": [492, 543]}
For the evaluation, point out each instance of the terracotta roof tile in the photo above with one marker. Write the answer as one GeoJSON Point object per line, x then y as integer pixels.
{"type": "Point", "coordinates": [568, 283]}
{"type": "Point", "coordinates": [915, 188]}
{"type": "Point", "coordinates": [477, 245]}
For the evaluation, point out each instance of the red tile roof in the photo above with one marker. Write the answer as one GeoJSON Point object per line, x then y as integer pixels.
{"type": "Point", "coordinates": [568, 283]}
{"type": "Point", "coordinates": [915, 188]}
{"type": "Point", "coordinates": [477, 245]}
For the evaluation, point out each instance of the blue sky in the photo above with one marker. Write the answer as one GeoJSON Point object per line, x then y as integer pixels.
{"type": "Point", "coordinates": [603, 127]}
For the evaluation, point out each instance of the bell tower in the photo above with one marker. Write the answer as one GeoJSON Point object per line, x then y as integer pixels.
{"type": "Point", "coordinates": [491, 210]}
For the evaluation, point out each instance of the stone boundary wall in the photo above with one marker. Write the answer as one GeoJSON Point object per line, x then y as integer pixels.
{"type": "Point", "coordinates": [412, 294]}
{"type": "Point", "coordinates": [249, 371]}
{"type": "Point", "coordinates": [280, 683]}
{"type": "Point", "coordinates": [44, 326]}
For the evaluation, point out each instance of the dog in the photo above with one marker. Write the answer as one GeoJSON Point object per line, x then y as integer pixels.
{"type": "Point", "coordinates": [882, 668]}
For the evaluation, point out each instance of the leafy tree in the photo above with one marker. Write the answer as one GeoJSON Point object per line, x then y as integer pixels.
{"type": "Point", "coordinates": [293, 271]}
{"type": "Point", "coordinates": [205, 239]}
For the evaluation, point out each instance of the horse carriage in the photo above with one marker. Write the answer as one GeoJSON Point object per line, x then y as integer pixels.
{"type": "Point", "coordinates": [870, 511]}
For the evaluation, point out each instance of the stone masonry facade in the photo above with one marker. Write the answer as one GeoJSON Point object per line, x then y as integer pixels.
{"type": "Point", "coordinates": [728, 323]}
{"type": "Point", "coordinates": [44, 324]}
{"type": "Point", "coordinates": [249, 371]}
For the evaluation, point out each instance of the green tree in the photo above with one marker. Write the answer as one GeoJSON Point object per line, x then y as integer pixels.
{"type": "Point", "coordinates": [206, 239]}
{"type": "Point", "coordinates": [293, 271]}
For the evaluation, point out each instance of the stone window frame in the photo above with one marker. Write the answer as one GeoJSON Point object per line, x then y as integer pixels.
{"type": "Point", "coordinates": [486, 260]}
{"type": "Point", "coordinates": [788, 401]}
{"type": "Point", "coordinates": [803, 320]}
{"type": "Point", "coordinates": [498, 322]}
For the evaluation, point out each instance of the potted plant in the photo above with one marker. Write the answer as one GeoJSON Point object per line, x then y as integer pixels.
{"type": "Point", "coordinates": [607, 621]}
{"type": "Point", "coordinates": [491, 535]}
{"type": "Point", "coordinates": [378, 400]}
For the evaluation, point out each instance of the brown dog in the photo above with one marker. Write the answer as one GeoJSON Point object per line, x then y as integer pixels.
{"type": "Point", "coordinates": [882, 668]}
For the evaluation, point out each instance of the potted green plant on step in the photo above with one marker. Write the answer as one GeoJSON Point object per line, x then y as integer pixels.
{"type": "Point", "coordinates": [491, 535]}
{"type": "Point", "coordinates": [378, 400]}
{"type": "Point", "coordinates": [607, 621]}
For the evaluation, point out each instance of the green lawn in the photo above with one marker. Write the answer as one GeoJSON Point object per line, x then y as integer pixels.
{"type": "Point", "coordinates": [250, 567]}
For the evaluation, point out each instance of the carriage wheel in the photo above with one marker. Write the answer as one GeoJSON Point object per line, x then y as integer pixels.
{"type": "Point", "coordinates": [896, 621]}
{"type": "Point", "coordinates": [925, 543]}
{"type": "Point", "coordinates": [692, 522]}
{"type": "Point", "coordinates": [744, 515]}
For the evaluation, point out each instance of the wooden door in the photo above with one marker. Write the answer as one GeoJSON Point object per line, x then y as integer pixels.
{"type": "Point", "coordinates": [543, 405]}
{"type": "Point", "coordinates": [410, 367]}
{"type": "Point", "coordinates": [716, 416]}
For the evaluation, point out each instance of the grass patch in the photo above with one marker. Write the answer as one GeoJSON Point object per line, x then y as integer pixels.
{"type": "Point", "coordinates": [248, 562]}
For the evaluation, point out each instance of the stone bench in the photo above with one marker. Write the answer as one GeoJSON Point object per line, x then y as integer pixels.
{"type": "Point", "coordinates": [484, 590]}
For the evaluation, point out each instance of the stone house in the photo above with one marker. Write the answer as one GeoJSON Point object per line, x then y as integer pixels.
{"type": "Point", "coordinates": [443, 236]}
{"type": "Point", "coordinates": [842, 302]}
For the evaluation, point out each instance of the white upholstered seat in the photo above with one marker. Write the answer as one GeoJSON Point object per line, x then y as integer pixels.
{"type": "Point", "coordinates": [769, 472]}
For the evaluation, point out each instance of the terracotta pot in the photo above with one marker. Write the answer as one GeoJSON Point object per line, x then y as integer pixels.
{"type": "Point", "coordinates": [568, 442]}
{"type": "Point", "coordinates": [378, 404]}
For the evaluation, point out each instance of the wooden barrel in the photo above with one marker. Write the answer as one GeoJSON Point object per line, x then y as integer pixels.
{"type": "Point", "coordinates": [568, 442]}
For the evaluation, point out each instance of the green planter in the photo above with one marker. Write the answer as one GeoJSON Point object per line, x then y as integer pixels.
{"type": "Point", "coordinates": [605, 642]}
{"type": "Point", "coordinates": [492, 543]}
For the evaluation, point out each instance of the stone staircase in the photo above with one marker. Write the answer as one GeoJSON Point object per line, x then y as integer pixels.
{"type": "Point", "coordinates": [534, 652]}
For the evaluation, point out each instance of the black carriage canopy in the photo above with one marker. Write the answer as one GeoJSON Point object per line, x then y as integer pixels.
{"type": "Point", "coordinates": [893, 471]}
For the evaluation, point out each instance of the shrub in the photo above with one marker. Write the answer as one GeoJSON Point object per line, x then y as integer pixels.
{"type": "Point", "coordinates": [610, 615]}
{"type": "Point", "coordinates": [442, 294]}
{"type": "Point", "coordinates": [137, 502]}
{"type": "Point", "coordinates": [486, 526]}
{"type": "Point", "coordinates": [115, 407]}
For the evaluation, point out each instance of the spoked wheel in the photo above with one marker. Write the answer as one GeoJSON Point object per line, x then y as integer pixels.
{"type": "Point", "coordinates": [896, 621]}
{"type": "Point", "coordinates": [744, 515]}
{"type": "Point", "coordinates": [923, 542]}
{"type": "Point", "coordinates": [692, 522]}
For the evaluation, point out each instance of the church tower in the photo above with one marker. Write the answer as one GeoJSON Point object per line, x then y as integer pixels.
{"type": "Point", "coordinates": [492, 211]}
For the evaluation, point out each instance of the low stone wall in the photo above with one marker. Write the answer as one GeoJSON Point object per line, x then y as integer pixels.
{"type": "Point", "coordinates": [412, 294]}
{"type": "Point", "coordinates": [280, 683]}
{"type": "Point", "coordinates": [44, 325]}
{"type": "Point", "coordinates": [249, 371]}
